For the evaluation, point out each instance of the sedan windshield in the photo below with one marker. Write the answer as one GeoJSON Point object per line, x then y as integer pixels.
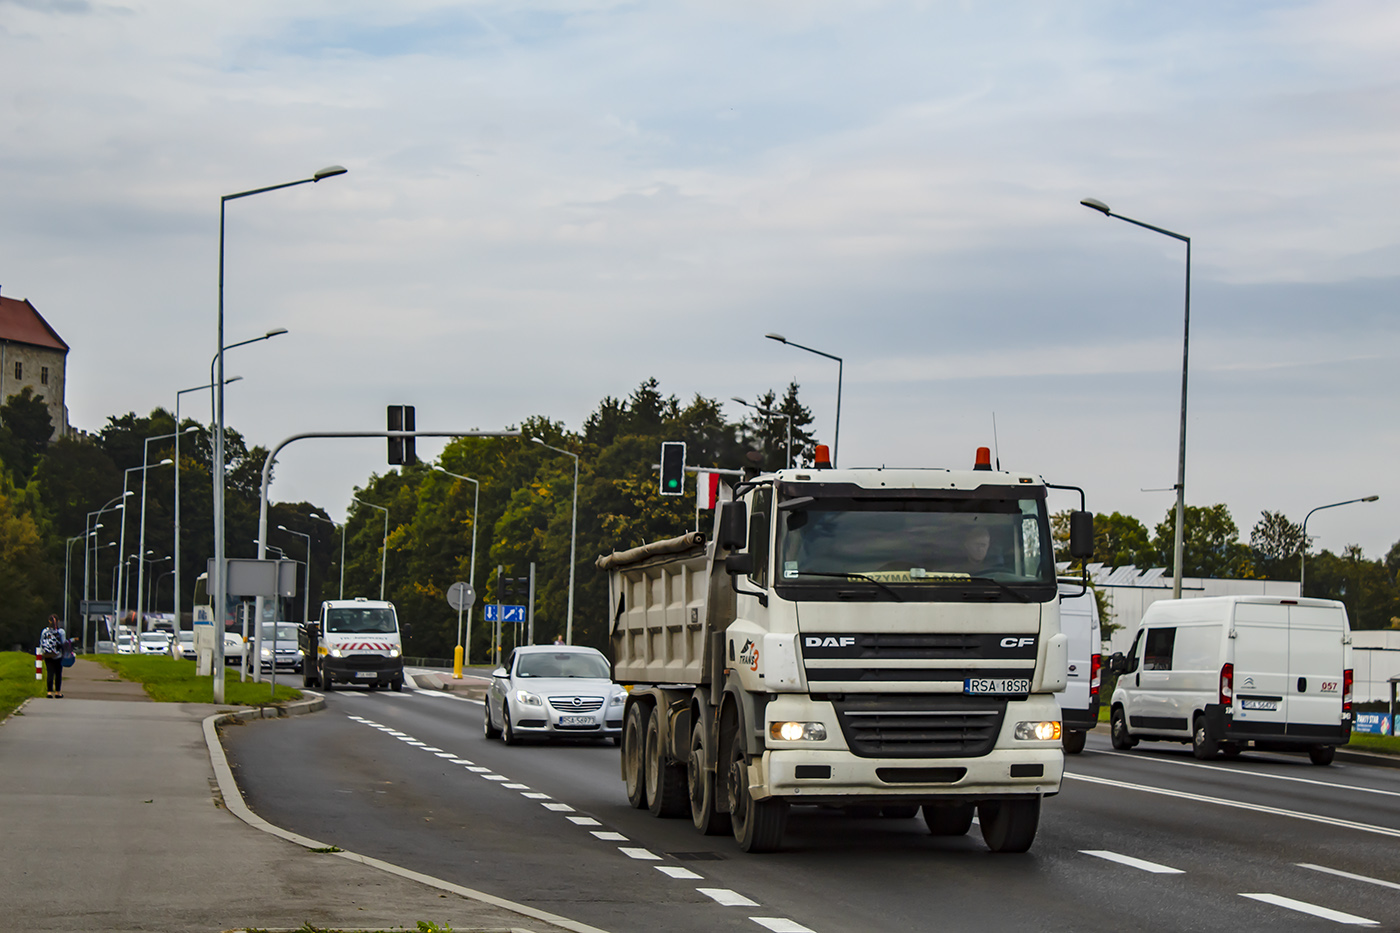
{"type": "Point", "coordinates": [357, 620]}
{"type": "Point", "coordinates": [561, 664]}
{"type": "Point", "coordinates": [917, 541]}
{"type": "Point", "coordinates": [285, 631]}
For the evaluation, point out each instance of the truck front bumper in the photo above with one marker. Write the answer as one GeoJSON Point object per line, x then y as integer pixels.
{"type": "Point", "coordinates": [362, 669]}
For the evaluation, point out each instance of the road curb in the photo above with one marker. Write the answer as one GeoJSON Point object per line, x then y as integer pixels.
{"type": "Point", "coordinates": [233, 801]}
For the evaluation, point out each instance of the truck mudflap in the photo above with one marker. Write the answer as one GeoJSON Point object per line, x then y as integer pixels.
{"type": "Point", "coordinates": [819, 775]}
{"type": "Point", "coordinates": [1222, 727]}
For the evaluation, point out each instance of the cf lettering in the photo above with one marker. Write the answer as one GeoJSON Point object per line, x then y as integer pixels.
{"type": "Point", "coordinates": [1012, 642]}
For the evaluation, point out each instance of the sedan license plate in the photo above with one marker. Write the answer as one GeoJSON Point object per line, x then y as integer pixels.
{"type": "Point", "coordinates": [1266, 705]}
{"type": "Point", "coordinates": [997, 685]}
{"type": "Point", "coordinates": [367, 675]}
{"type": "Point", "coordinates": [575, 720]}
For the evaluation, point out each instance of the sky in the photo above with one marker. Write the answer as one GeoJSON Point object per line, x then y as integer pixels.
{"type": "Point", "coordinates": [547, 203]}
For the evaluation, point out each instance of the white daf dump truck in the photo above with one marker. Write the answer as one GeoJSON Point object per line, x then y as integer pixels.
{"type": "Point", "coordinates": [876, 640]}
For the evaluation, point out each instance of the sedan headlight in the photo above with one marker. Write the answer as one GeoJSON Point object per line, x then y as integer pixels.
{"type": "Point", "coordinates": [526, 698]}
{"type": "Point", "coordinates": [618, 699]}
{"type": "Point", "coordinates": [798, 731]}
{"type": "Point", "coordinates": [1038, 731]}
{"type": "Point", "coordinates": [267, 652]}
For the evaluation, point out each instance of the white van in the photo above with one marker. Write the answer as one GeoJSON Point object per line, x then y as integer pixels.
{"type": "Point", "coordinates": [1079, 701]}
{"type": "Point", "coordinates": [1229, 672]}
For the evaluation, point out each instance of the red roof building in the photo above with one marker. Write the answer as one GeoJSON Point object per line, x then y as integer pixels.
{"type": "Point", "coordinates": [32, 354]}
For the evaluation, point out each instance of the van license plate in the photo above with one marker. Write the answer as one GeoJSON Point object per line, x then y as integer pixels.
{"type": "Point", "coordinates": [1267, 705]}
{"type": "Point", "coordinates": [575, 720]}
{"type": "Point", "coordinates": [368, 675]}
{"type": "Point", "coordinates": [997, 685]}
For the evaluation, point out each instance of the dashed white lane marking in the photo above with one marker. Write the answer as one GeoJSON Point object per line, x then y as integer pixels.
{"type": "Point", "coordinates": [583, 821]}
{"type": "Point", "coordinates": [1346, 874]}
{"type": "Point", "coordinates": [1131, 862]}
{"type": "Point", "coordinates": [727, 898]}
{"type": "Point", "coordinates": [781, 925]}
{"type": "Point", "coordinates": [1259, 774]}
{"type": "Point", "coordinates": [536, 796]}
{"type": "Point", "coordinates": [415, 743]}
{"type": "Point", "coordinates": [675, 872]}
{"type": "Point", "coordinates": [632, 852]}
{"type": "Point", "coordinates": [448, 755]}
{"type": "Point", "coordinates": [431, 748]}
{"type": "Point", "coordinates": [1240, 805]}
{"type": "Point", "coordinates": [478, 769]}
{"type": "Point", "coordinates": [517, 786]}
{"type": "Point", "coordinates": [559, 807]}
{"type": "Point", "coordinates": [495, 777]}
{"type": "Point", "coordinates": [608, 835]}
{"type": "Point", "coordinates": [1303, 907]}
{"type": "Point", "coordinates": [431, 693]}
{"type": "Point", "coordinates": [460, 761]}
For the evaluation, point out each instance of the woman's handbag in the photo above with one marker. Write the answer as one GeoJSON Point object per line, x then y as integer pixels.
{"type": "Point", "coordinates": [68, 660]}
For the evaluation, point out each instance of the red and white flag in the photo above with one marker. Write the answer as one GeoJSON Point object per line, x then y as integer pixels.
{"type": "Point", "coordinates": [706, 490]}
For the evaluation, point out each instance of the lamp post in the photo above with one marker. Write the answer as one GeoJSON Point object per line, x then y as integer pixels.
{"type": "Point", "coordinates": [67, 567]}
{"type": "Point", "coordinates": [1303, 553]}
{"type": "Point", "coordinates": [92, 529]}
{"type": "Point", "coordinates": [306, 590]}
{"type": "Point", "coordinates": [208, 385]}
{"type": "Point", "coordinates": [573, 539]}
{"type": "Point", "coordinates": [1179, 546]}
{"type": "Point", "coordinates": [840, 367]}
{"type": "Point", "coordinates": [141, 539]}
{"type": "Point", "coordinates": [342, 549]}
{"type": "Point", "coordinates": [122, 537]}
{"type": "Point", "coordinates": [471, 571]}
{"type": "Point", "coordinates": [772, 414]}
{"type": "Point", "coordinates": [384, 551]}
{"type": "Point", "coordinates": [275, 332]}
{"type": "Point", "coordinates": [153, 597]}
{"type": "Point", "coordinates": [219, 582]}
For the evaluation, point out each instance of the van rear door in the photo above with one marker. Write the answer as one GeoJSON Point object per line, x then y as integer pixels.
{"type": "Point", "coordinates": [1316, 657]}
{"type": "Point", "coordinates": [1261, 650]}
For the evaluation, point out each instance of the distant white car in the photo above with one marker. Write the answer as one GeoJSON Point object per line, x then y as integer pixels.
{"type": "Point", "coordinates": [154, 642]}
{"type": "Point", "coordinates": [186, 639]}
{"type": "Point", "coordinates": [126, 644]}
{"type": "Point", "coordinates": [234, 649]}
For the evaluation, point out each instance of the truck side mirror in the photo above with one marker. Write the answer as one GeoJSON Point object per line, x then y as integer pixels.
{"type": "Point", "coordinates": [1081, 535]}
{"type": "Point", "coordinates": [1117, 664]}
{"type": "Point", "coordinates": [405, 628]}
{"type": "Point", "coordinates": [733, 526]}
{"type": "Point", "coordinates": [738, 564]}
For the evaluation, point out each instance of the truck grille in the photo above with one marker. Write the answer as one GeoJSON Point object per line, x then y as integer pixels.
{"type": "Point", "coordinates": [576, 704]}
{"type": "Point", "coordinates": [949, 726]}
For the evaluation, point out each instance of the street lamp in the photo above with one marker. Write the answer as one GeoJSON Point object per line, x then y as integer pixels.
{"type": "Point", "coordinates": [840, 368]}
{"type": "Point", "coordinates": [154, 595]}
{"type": "Point", "coordinates": [122, 537]}
{"type": "Point", "coordinates": [384, 551]}
{"type": "Point", "coordinates": [1303, 554]}
{"type": "Point", "coordinates": [208, 385]}
{"type": "Point", "coordinates": [275, 332]}
{"type": "Point", "coordinates": [1179, 546]}
{"type": "Point", "coordinates": [92, 532]}
{"type": "Point", "coordinates": [219, 582]}
{"type": "Point", "coordinates": [342, 549]}
{"type": "Point", "coordinates": [772, 414]}
{"type": "Point", "coordinates": [471, 571]}
{"type": "Point", "coordinates": [67, 567]}
{"type": "Point", "coordinates": [573, 540]}
{"type": "Point", "coordinates": [306, 591]}
{"type": "Point", "coordinates": [141, 540]}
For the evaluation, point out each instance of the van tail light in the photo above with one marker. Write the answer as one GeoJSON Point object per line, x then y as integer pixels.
{"type": "Point", "coordinates": [1227, 684]}
{"type": "Point", "coordinates": [1346, 692]}
{"type": "Point", "coordinates": [1095, 674]}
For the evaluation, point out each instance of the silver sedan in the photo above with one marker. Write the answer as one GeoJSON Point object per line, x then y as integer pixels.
{"type": "Point", "coordinates": [554, 691]}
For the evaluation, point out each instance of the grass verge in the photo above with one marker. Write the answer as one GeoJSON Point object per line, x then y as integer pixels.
{"type": "Point", "coordinates": [173, 680]}
{"type": "Point", "coordinates": [1366, 742]}
{"type": "Point", "coordinates": [17, 682]}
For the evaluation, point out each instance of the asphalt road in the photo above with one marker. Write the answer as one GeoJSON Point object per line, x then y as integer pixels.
{"type": "Point", "coordinates": [1147, 840]}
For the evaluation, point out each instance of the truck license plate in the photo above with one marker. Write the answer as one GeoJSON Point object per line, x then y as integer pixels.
{"type": "Point", "coordinates": [575, 720]}
{"type": "Point", "coordinates": [368, 675]}
{"type": "Point", "coordinates": [997, 685]}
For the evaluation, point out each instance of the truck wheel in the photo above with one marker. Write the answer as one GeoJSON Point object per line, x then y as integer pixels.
{"type": "Point", "coordinates": [758, 825]}
{"type": "Point", "coordinates": [952, 820]}
{"type": "Point", "coordinates": [487, 728]}
{"type": "Point", "coordinates": [327, 684]}
{"type": "Point", "coordinates": [1074, 741]}
{"type": "Point", "coordinates": [665, 781]}
{"type": "Point", "coordinates": [1322, 754]}
{"type": "Point", "coordinates": [1118, 730]}
{"type": "Point", "coordinates": [508, 735]}
{"type": "Point", "coordinates": [701, 777]}
{"type": "Point", "coordinates": [1202, 745]}
{"type": "Point", "coordinates": [1009, 825]}
{"type": "Point", "coordinates": [633, 773]}
{"type": "Point", "coordinates": [397, 685]}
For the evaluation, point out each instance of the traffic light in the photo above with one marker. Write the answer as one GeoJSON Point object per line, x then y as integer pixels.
{"type": "Point", "coordinates": [515, 590]}
{"type": "Point", "coordinates": [673, 468]}
{"type": "Point", "coordinates": [401, 450]}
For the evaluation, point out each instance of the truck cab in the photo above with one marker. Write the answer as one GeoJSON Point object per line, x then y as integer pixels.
{"type": "Point", "coordinates": [353, 641]}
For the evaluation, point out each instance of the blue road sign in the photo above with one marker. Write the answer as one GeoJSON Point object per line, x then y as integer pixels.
{"type": "Point", "coordinates": [508, 613]}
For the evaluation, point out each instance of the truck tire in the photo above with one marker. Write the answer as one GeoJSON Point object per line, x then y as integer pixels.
{"type": "Point", "coordinates": [665, 781]}
{"type": "Point", "coordinates": [633, 772]}
{"type": "Point", "coordinates": [700, 775]}
{"type": "Point", "coordinates": [1074, 741]}
{"type": "Point", "coordinates": [397, 684]}
{"type": "Point", "coordinates": [1203, 746]}
{"type": "Point", "coordinates": [1009, 825]}
{"type": "Point", "coordinates": [1322, 754]}
{"type": "Point", "coordinates": [952, 820]}
{"type": "Point", "coordinates": [327, 684]}
{"type": "Point", "coordinates": [758, 825]}
{"type": "Point", "coordinates": [1119, 735]}
{"type": "Point", "coordinates": [487, 728]}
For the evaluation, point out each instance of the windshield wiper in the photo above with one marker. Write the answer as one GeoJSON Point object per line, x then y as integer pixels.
{"type": "Point", "coordinates": [852, 576]}
{"type": "Point", "coordinates": [1017, 593]}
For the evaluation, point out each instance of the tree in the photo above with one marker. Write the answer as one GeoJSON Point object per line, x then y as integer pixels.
{"type": "Point", "coordinates": [1211, 545]}
{"type": "Point", "coordinates": [28, 584]}
{"type": "Point", "coordinates": [1276, 543]}
{"type": "Point", "coordinates": [27, 421]}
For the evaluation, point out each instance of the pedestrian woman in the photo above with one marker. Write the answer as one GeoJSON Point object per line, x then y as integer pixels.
{"type": "Point", "coordinates": [51, 644]}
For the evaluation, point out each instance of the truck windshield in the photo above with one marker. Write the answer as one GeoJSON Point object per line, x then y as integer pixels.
{"type": "Point", "coordinates": [358, 620]}
{"type": "Point", "coordinates": [924, 541]}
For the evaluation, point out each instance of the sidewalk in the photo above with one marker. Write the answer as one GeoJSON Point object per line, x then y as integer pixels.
{"type": "Point", "coordinates": [113, 820]}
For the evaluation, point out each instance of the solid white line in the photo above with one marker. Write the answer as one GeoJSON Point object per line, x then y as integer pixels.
{"type": "Point", "coordinates": [727, 898]}
{"type": "Point", "coordinates": [608, 835]}
{"type": "Point", "coordinates": [1258, 774]}
{"type": "Point", "coordinates": [1133, 862]}
{"type": "Point", "coordinates": [1303, 907]}
{"type": "Point", "coordinates": [1240, 805]}
{"type": "Point", "coordinates": [674, 872]}
{"type": "Point", "coordinates": [636, 853]}
{"type": "Point", "coordinates": [431, 693]}
{"type": "Point", "coordinates": [1346, 874]}
{"type": "Point", "coordinates": [781, 925]}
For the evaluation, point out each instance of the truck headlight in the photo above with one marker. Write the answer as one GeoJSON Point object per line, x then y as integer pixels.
{"type": "Point", "coordinates": [300, 653]}
{"type": "Point", "coordinates": [1038, 731]}
{"type": "Point", "coordinates": [798, 731]}
{"type": "Point", "coordinates": [335, 652]}
{"type": "Point", "coordinates": [393, 652]}
{"type": "Point", "coordinates": [526, 698]}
